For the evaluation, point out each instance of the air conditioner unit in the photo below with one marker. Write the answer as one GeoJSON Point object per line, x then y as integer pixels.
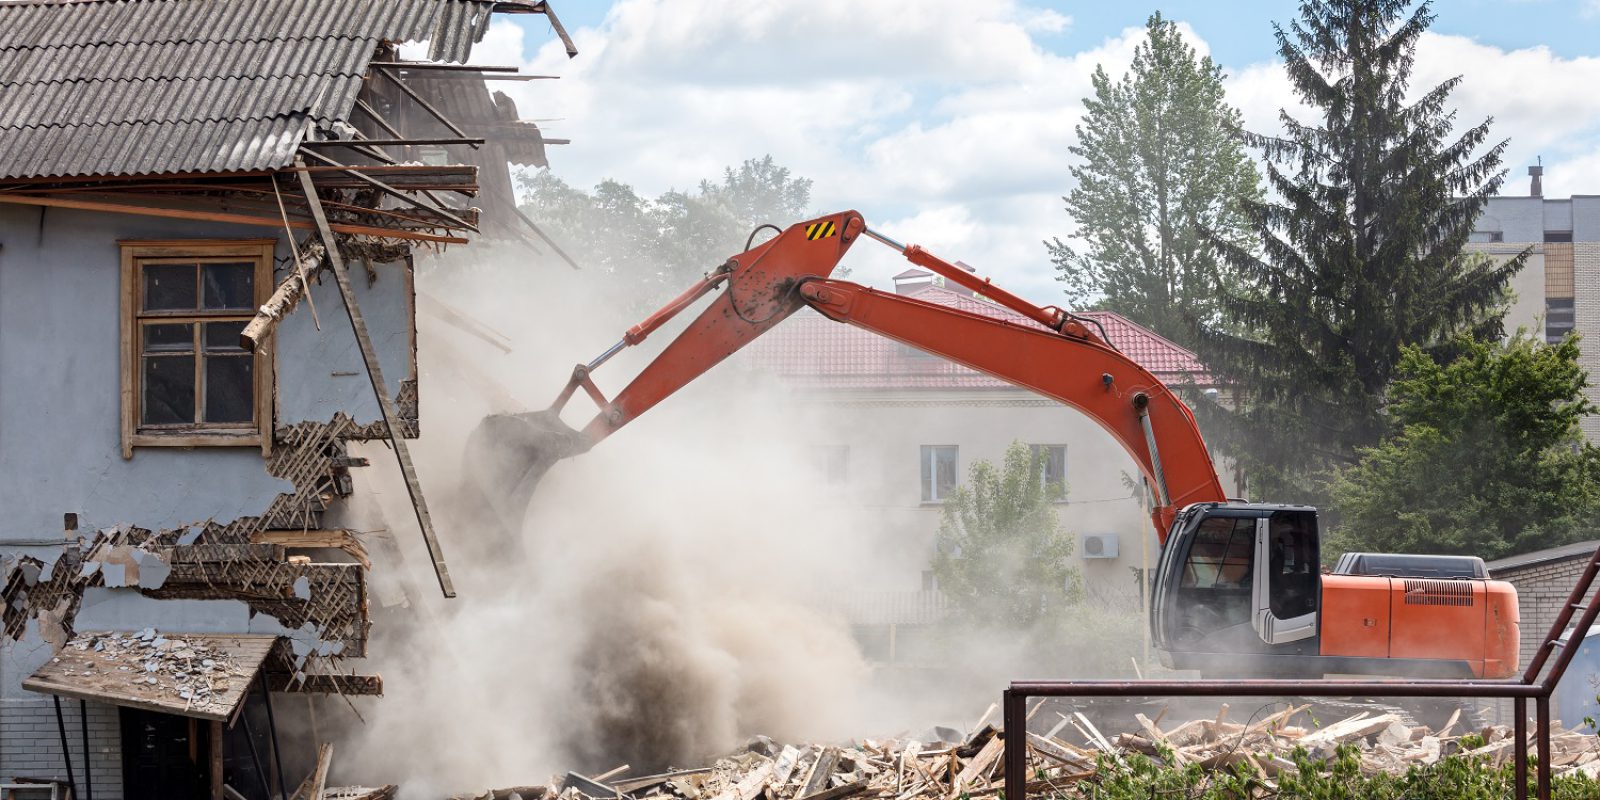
{"type": "Point", "coordinates": [1099, 545]}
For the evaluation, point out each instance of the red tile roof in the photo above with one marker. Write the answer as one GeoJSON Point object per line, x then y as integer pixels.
{"type": "Point", "coordinates": [817, 353]}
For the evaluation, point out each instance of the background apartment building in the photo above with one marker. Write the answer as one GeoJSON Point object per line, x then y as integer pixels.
{"type": "Point", "coordinates": [1558, 291]}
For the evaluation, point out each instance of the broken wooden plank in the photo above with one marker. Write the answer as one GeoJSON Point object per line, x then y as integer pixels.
{"type": "Point", "coordinates": [382, 187]}
{"type": "Point", "coordinates": [332, 538]}
{"type": "Point", "coordinates": [838, 792]}
{"type": "Point", "coordinates": [821, 771]}
{"type": "Point", "coordinates": [283, 299]}
{"type": "Point", "coordinates": [221, 216]}
{"type": "Point", "coordinates": [1347, 729]}
{"type": "Point", "coordinates": [369, 355]}
{"type": "Point", "coordinates": [979, 764]}
{"type": "Point", "coordinates": [348, 685]}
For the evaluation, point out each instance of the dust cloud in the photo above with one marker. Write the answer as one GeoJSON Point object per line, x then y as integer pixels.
{"type": "Point", "coordinates": [666, 595]}
{"type": "Point", "coordinates": [669, 592]}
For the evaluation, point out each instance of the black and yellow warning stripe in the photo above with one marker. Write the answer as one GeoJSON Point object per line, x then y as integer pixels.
{"type": "Point", "coordinates": [821, 230]}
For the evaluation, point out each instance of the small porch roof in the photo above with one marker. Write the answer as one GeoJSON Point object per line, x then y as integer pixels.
{"type": "Point", "coordinates": [204, 676]}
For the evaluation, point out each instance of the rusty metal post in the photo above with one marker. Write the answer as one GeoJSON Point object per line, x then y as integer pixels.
{"type": "Point", "coordinates": [1542, 708]}
{"type": "Point", "coordinates": [1519, 738]}
{"type": "Point", "coordinates": [1015, 719]}
{"type": "Point", "coordinates": [66, 753]}
{"type": "Point", "coordinates": [88, 771]}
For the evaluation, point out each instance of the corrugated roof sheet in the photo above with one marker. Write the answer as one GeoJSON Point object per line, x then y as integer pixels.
{"type": "Point", "coordinates": [133, 87]}
{"type": "Point", "coordinates": [815, 352]}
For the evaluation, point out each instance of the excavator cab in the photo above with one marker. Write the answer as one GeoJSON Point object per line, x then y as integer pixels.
{"type": "Point", "coordinates": [1238, 581]}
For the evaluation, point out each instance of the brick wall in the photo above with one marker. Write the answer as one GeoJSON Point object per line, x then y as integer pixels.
{"type": "Point", "coordinates": [30, 743]}
{"type": "Point", "coordinates": [1541, 591]}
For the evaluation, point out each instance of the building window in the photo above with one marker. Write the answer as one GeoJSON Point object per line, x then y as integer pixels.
{"type": "Point", "coordinates": [186, 381]}
{"type": "Point", "coordinates": [1559, 318]}
{"type": "Point", "coordinates": [1557, 237]}
{"type": "Point", "coordinates": [833, 462]}
{"type": "Point", "coordinates": [1053, 473]}
{"type": "Point", "coordinates": [938, 472]}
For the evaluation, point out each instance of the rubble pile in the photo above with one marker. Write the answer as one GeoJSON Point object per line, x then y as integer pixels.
{"type": "Point", "coordinates": [155, 663]}
{"type": "Point", "coordinates": [915, 769]}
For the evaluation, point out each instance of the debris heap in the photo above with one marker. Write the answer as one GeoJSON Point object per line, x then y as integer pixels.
{"type": "Point", "coordinates": [191, 670]}
{"type": "Point", "coordinates": [914, 769]}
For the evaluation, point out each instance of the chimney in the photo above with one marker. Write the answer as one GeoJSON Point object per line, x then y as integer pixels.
{"type": "Point", "coordinates": [1537, 173]}
{"type": "Point", "coordinates": [912, 281]}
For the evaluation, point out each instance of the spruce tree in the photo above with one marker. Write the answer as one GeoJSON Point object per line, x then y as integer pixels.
{"type": "Point", "coordinates": [1359, 253]}
{"type": "Point", "coordinates": [1160, 165]}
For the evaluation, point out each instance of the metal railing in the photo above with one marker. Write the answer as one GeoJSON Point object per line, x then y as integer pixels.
{"type": "Point", "coordinates": [1518, 690]}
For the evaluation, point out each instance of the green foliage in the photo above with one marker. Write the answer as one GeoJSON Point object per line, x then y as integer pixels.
{"type": "Point", "coordinates": [1160, 166]}
{"type": "Point", "coordinates": [1485, 457]}
{"type": "Point", "coordinates": [1138, 777]}
{"type": "Point", "coordinates": [1002, 551]}
{"type": "Point", "coordinates": [653, 249]}
{"type": "Point", "coordinates": [1360, 250]}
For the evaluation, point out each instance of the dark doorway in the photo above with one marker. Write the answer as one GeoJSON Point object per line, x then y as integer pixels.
{"type": "Point", "coordinates": [164, 756]}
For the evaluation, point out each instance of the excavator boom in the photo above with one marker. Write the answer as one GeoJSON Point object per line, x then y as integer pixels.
{"type": "Point", "coordinates": [1059, 357]}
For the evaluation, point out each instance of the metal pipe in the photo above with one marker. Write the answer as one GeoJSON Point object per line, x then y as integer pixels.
{"type": "Point", "coordinates": [1519, 739]}
{"type": "Point", "coordinates": [606, 356]}
{"type": "Point", "coordinates": [1015, 718]}
{"type": "Point", "coordinates": [88, 773]}
{"type": "Point", "coordinates": [1276, 687]}
{"type": "Point", "coordinates": [898, 247]}
{"type": "Point", "coordinates": [272, 727]}
{"type": "Point", "coordinates": [1141, 403]}
{"type": "Point", "coordinates": [1542, 708]}
{"type": "Point", "coordinates": [66, 754]}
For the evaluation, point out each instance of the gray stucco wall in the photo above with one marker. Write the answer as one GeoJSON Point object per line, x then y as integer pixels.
{"type": "Point", "coordinates": [60, 445]}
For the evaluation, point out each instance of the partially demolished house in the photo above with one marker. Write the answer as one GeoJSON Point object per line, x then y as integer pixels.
{"type": "Point", "coordinates": [208, 215]}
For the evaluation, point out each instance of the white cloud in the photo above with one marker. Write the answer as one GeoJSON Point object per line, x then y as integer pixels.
{"type": "Point", "coordinates": [910, 112]}
{"type": "Point", "coordinates": [945, 122]}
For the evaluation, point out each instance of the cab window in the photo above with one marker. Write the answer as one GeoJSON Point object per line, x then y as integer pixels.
{"type": "Point", "coordinates": [1293, 563]}
{"type": "Point", "coordinates": [1214, 588]}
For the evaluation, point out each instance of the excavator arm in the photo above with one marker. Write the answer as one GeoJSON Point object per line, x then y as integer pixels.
{"type": "Point", "coordinates": [1062, 359]}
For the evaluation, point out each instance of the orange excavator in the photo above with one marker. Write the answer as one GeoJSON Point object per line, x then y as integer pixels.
{"type": "Point", "coordinates": [1239, 590]}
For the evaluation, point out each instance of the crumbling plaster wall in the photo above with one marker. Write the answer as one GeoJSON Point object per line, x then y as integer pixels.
{"type": "Point", "coordinates": [60, 452]}
{"type": "Point", "coordinates": [60, 295]}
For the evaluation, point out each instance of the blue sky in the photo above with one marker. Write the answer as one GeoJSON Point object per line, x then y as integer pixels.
{"type": "Point", "coordinates": [1241, 32]}
{"type": "Point", "coordinates": [948, 121]}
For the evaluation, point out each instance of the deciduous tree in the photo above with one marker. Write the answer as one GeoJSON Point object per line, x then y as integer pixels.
{"type": "Point", "coordinates": [1485, 457]}
{"type": "Point", "coordinates": [1161, 164]}
{"type": "Point", "coordinates": [1002, 550]}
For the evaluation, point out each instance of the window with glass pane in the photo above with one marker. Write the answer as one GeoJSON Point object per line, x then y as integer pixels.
{"type": "Point", "coordinates": [190, 374]}
{"type": "Point", "coordinates": [938, 472]}
{"type": "Point", "coordinates": [1052, 461]}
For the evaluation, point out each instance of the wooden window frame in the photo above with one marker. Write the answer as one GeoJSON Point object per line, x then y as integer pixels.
{"type": "Point", "coordinates": [134, 254]}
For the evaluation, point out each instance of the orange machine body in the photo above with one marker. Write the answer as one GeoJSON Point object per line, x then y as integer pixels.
{"type": "Point", "coordinates": [1475, 621]}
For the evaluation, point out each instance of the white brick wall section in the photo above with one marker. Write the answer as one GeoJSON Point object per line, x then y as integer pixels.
{"type": "Point", "coordinates": [30, 743]}
{"type": "Point", "coordinates": [1586, 308]}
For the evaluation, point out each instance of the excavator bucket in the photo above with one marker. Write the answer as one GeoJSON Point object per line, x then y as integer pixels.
{"type": "Point", "coordinates": [508, 454]}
